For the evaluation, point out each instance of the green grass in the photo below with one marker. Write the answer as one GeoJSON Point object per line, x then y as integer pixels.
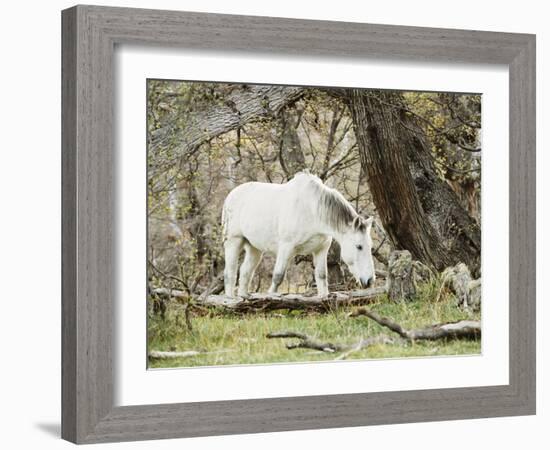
{"type": "Point", "coordinates": [241, 339]}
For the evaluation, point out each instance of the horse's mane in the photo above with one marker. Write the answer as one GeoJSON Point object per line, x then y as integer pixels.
{"type": "Point", "coordinates": [334, 209]}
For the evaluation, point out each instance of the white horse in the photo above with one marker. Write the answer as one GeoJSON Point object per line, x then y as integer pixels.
{"type": "Point", "coordinates": [299, 217]}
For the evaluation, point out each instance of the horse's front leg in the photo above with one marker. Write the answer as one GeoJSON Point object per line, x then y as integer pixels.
{"type": "Point", "coordinates": [320, 263]}
{"type": "Point", "coordinates": [283, 255]}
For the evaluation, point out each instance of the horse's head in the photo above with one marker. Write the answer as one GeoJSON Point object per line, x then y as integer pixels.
{"type": "Point", "coordinates": [356, 251]}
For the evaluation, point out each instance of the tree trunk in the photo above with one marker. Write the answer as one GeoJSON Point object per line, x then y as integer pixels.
{"type": "Point", "coordinates": [420, 212]}
{"type": "Point", "coordinates": [291, 156]}
{"type": "Point", "coordinates": [336, 273]}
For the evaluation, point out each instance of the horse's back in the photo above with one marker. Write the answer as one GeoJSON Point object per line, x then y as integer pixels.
{"type": "Point", "coordinates": [251, 194]}
{"type": "Point", "coordinates": [255, 193]}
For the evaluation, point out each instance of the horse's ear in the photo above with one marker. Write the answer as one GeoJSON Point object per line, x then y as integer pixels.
{"type": "Point", "coordinates": [370, 221]}
{"type": "Point", "coordinates": [360, 224]}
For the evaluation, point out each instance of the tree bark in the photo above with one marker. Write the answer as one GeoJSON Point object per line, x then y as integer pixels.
{"type": "Point", "coordinates": [420, 212]}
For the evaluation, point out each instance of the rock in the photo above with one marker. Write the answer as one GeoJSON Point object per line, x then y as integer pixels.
{"type": "Point", "coordinates": [460, 282]}
{"type": "Point", "coordinates": [400, 282]}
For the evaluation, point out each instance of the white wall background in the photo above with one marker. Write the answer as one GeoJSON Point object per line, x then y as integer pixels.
{"type": "Point", "coordinates": [30, 237]}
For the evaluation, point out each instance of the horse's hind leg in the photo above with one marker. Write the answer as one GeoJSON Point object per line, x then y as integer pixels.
{"type": "Point", "coordinates": [252, 258]}
{"type": "Point", "coordinates": [233, 247]}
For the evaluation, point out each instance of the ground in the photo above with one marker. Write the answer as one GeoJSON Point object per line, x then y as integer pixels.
{"type": "Point", "coordinates": [227, 338]}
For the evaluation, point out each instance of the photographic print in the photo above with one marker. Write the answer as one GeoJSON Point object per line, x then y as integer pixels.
{"type": "Point", "coordinates": [292, 224]}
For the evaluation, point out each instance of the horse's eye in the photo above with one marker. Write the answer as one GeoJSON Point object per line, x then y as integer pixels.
{"type": "Point", "coordinates": [359, 247]}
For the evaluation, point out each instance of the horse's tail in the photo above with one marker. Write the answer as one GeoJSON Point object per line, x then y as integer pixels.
{"type": "Point", "coordinates": [228, 210]}
{"type": "Point", "coordinates": [224, 221]}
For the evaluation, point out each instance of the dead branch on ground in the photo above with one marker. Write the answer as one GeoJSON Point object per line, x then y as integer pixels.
{"type": "Point", "coordinates": [464, 329]}
{"type": "Point", "coordinates": [305, 341]}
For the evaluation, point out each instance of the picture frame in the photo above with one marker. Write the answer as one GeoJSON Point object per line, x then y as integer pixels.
{"type": "Point", "coordinates": [89, 37]}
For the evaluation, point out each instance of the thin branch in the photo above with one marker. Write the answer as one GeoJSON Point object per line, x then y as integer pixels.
{"type": "Point", "coordinates": [455, 114]}
{"type": "Point", "coordinates": [344, 159]}
{"type": "Point", "coordinates": [169, 276]}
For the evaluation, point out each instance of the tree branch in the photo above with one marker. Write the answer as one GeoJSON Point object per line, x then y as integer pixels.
{"type": "Point", "coordinates": [241, 106]}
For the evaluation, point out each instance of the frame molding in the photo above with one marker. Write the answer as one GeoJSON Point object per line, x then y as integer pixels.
{"type": "Point", "coordinates": [89, 36]}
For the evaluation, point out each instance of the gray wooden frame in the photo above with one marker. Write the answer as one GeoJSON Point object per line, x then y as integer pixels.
{"type": "Point", "coordinates": [89, 36]}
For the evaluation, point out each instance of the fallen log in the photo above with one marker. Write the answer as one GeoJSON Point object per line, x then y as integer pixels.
{"type": "Point", "coordinates": [271, 302]}
{"type": "Point", "coordinates": [157, 354]}
{"type": "Point", "coordinates": [464, 329]}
